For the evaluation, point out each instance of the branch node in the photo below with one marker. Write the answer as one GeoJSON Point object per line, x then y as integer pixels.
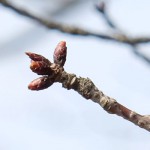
{"type": "Point", "coordinates": [68, 80]}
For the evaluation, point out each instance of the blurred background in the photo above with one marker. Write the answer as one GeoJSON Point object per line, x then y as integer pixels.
{"type": "Point", "coordinates": [59, 119]}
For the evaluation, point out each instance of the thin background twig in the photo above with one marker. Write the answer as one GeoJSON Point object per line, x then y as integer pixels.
{"type": "Point", "coordinates": [101, 6]}
{"type": "Point", "coordinates": [75, 30]}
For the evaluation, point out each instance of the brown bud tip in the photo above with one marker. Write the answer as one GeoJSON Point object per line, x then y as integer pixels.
{"type": "Point", "coordinates": [39, 64]}
{"type": "Point", "coordinates": [40, 83]}
{"type": "Point", "coordinates": [37, 57]}
{"type": "Point", "coordinates": [60, 53]}
{"type": "Point", "coordinates": [41, 68]}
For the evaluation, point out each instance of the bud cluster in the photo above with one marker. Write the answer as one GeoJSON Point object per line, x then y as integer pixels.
{"type": "Point", "coordinates": [43, 66]}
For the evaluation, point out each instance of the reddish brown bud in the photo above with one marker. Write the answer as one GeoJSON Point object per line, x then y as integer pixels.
{"type": "Point", "coordinates": [41, 67]}
{"type": "Point", "coordinates": [41, 83]}
{"type": "Point", "coordinates": [60, 53]}
{"type": "Point", "coordinates": [37, 57]}
{"type": "Point", "coordinates": [39, 64]}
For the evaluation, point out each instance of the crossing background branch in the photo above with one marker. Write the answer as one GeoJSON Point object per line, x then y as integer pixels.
{"type": "Point", "coordinates": [75, 30]}
{"type": "Point", "coordinates": [117, 36]}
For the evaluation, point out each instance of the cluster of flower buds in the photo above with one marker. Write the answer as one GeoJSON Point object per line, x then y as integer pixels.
{"type": "Point", "coordinates": [43, 66]}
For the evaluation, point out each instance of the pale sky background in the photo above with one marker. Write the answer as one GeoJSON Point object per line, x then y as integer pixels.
{"type": "Point", "coordinates": [59, 119]}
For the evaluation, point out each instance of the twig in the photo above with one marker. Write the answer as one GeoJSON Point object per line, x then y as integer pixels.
{"type": "Point", "coordinates": [54, 72]}
{"type": "Point", "coordinates": [119, 37]}
{"type": "Point", "coordinates": [137, 53]}
{"type": "Point", "coordinates": [74, 30]}
{"type": "Point", "coordinates": [102, 8]}
{"type": "Point", "coordinates": [86, 88]}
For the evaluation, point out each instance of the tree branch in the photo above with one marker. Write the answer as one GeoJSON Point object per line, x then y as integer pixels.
{"type": "Point", "coordinates": [74, 30]}
{"type": "Point", "coordinates": [86, 88]}
{"type": "Point", "coordinates": [54, 72]}
{"type": "Point", "coordinates": [102, 9]}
